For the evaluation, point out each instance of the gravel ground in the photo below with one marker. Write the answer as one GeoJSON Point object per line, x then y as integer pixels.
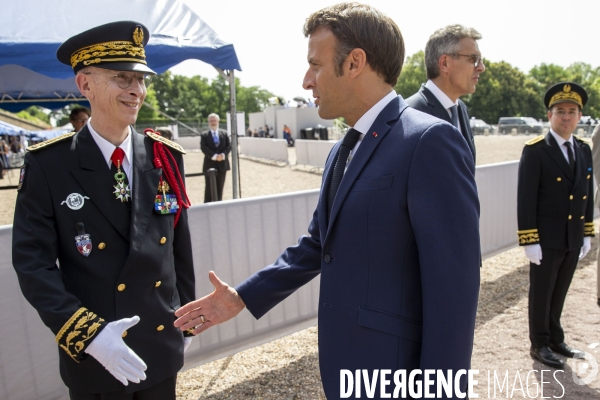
{"type": "Point", "coordinates": [287, 368]}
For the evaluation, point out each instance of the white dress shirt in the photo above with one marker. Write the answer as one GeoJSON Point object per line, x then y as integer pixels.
{"type": "Point", "coordinates": [443, 99]}
{"type": "Point", "coordinates": [107, 149]}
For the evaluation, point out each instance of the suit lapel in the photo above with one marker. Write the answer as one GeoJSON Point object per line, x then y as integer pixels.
{"type": "Point", "coordinates": [558, 156]}
{"type": "Point", "coordinates": [145, 187]}
{"type": "Point", "coordinates": [95, 177]}
{"type": "Point", "coordinates": [369, 143]}
{"type": "Point", "coordinates": [437, 109]}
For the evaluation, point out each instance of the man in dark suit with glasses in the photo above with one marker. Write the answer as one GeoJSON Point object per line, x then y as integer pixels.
{"type": "Point", "coordinates": [453, 64]}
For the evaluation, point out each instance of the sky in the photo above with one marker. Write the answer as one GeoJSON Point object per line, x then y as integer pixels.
{"type": "Point", "coordinates": [268, 39]}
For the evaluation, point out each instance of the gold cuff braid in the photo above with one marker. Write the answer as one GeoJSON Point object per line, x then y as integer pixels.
{"type": "Point", "coordinates": [77, 331]}
{"type": "Point", "coordinates": [589, 229]}
{"type": "Point", "coordinates": [529, 236]}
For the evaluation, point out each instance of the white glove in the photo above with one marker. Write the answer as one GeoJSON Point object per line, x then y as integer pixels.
{"type": "Point", "coordinates": [111, 351]}
{"type": "Point", "coordinates": [534, 253]}
{"type": "Point", "coordinates": [587, 244]}
{"type": "Point", "coordinates": [187, 342]}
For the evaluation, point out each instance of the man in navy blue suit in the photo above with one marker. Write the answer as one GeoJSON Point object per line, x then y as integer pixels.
{"type": "Point", "coordinates": [395, 235]}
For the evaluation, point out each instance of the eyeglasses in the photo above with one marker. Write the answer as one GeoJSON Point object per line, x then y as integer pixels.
{"type": "Point", "coordinates": [474, 58]}
{"type": "Point", "coordinates": [563, 113]}
{"type": "Point", "coordinates": [124, 80]}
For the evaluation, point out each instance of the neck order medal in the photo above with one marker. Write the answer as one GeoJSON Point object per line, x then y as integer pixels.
{"type": "Point", "coordinates": [122, 191]}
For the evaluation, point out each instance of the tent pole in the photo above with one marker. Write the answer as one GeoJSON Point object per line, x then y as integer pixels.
{"type": "Point", "coordinates": [234, 142]}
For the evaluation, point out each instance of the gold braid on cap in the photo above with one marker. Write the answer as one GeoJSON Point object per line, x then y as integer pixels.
{"type": "Point", "coordinates": [566, 95]}
{"type": "Point", "coordinates": [107, 51]}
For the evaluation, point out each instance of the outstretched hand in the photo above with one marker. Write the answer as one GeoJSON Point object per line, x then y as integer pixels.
{"type": "Point", "coordinates": [221, 305]}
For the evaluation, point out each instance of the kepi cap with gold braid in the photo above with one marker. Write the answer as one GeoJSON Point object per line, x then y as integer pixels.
{"type": "Point", "coordinates": [117, 45]}
{"type": "Point", "coordinates": [568, 92]}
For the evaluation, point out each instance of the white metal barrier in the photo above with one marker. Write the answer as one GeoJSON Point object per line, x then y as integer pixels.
{"type": "Point", "coordinates": [233, 238]}
{"type": "Point", "coordinates": [270, 149]}
{"type": "Point", "coordinates": [497, 188]}
{"type": "Point", "coordinates": [313, 152]}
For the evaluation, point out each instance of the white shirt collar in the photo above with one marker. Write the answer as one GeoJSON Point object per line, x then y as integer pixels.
{"type": "Point", "coordinates": [365, 122]}
{"type": "Point", "coordinates": [107, 148]}
{"type": "Point", "coordinates": [560, 140]}
{"type": "Point", "coordinates": [441, 96]}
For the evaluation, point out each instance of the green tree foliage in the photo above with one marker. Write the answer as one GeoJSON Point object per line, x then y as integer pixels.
{"type": "Point", "coordinates": [412, 76]}
{"type": "Point", "coordinates": [146, 113]}
{"type": "Point", "coordinates": [504, 91]}
{"type": "Point", "coordinates": [35, 115]}
{"type": "Point", "coordinates": [196, 97]}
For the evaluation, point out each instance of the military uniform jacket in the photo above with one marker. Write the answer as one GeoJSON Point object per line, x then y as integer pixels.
{"type": "Point", "coordinates": [555, 206]}
{"type": "Point", "coordinates": [139, 266]}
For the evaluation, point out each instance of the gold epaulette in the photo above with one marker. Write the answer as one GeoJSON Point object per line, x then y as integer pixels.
{"type": "Point", "coordinates": [582, 140]}
{"type": "Point", "coordinates": [76, 333]}
{"type": "Point", "coordinates": [529, 236]}
{"type": "Point", "coordinates": [166, 142]}
{"type": "Point", "coordinates": [534, 140]}
{"type": "Point", "coordinates": [588, 229]}
{"type": "Point", "coordinates": [49, 142]}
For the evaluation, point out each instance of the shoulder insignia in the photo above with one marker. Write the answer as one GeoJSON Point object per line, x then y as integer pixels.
{"type": "Point", "coordinates": [582, 140]}
{"type": "Point", "coordinates": [534, 140]}
{"type": "Point", "coordinates": [49, 142]}
{"type": "Point", "coordinates": [166, 142]}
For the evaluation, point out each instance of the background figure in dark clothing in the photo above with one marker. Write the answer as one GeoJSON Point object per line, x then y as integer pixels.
{"type": "Point", "coordinates": [216, 147]}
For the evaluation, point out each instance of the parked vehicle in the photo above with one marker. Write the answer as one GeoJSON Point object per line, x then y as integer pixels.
{"type": "Point", "coordinates": [524, 125]}
{"type": "Point", "coordinates": [478, 126]}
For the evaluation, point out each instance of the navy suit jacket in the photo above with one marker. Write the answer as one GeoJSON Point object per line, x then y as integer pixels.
{"type": "Point", "coordinates": [426, 102]}
{"type": "Point", "coordinates": [398, 258]}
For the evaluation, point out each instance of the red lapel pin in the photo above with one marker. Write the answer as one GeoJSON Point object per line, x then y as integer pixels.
{"type": "Point", "coordinates": [375, 134]}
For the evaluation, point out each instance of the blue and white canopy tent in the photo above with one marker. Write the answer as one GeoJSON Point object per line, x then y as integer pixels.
{"type": "Point", "coordinates": [31, 31]}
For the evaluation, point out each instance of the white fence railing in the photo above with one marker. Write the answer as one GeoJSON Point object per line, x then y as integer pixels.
{"type": "Point", "coordinates": [234, 238]}
{"type": "Point", "coordinates": [270, 149]}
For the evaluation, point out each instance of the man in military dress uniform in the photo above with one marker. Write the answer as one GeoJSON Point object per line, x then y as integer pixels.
{"type": "Point", "coordinates": [103, 202]}
{"type": "Point", "coordinates": [555, 213]}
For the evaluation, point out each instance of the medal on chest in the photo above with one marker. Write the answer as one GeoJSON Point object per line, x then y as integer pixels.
{"type": "Point", "coordinates": [83, 240]}
{"type": "Point", "coordinates": [165, 203]}
{"type": "Point", "coordinates": [122, 191]}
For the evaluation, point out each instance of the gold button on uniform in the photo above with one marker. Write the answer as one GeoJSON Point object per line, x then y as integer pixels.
{"type": "Point", "coordinates": [558, 179]}
{"type": "Point", "coordinates": [157, 284]}
{"type": "Point", "coordinates": [584, 197]}
{"type": "Point", "coordinates": [570, 217]}
{"type": "Point", "coordinates": [102, 246]}
{"type": "Point", "coordinates": [163, 240]}
{"type": "Point", "coordinates": [588, 177]}
{"type": "Point", "coordinates": [160, 328]}
{"type": "Point", "coordinates": [581, 217]}
{"type": "Point", "coordinates": [124, 334]}
{"type": "Point", "coordinates": [571, 197]}
{"type": "Point", "coordinates": [121, 287]}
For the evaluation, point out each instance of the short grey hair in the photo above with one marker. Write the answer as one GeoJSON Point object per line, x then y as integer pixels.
{"type": "Point", "coordinates": [445, 41]}
{"type": "Point", "coordinates": [213, 115]}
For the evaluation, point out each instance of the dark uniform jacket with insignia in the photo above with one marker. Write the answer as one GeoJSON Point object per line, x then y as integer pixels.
{"type": "Point", "coordinates": [139, 263]}
{"type": "Point", "coordinates": [555, 206]}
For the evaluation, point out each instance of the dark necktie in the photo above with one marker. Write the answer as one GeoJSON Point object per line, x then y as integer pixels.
{"type": "Point", "coordinates": [571, 157]}
{"type": "Point", "coordinates": [348, 144]}
{"type": "Point", "coordinates": [454, 111]}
